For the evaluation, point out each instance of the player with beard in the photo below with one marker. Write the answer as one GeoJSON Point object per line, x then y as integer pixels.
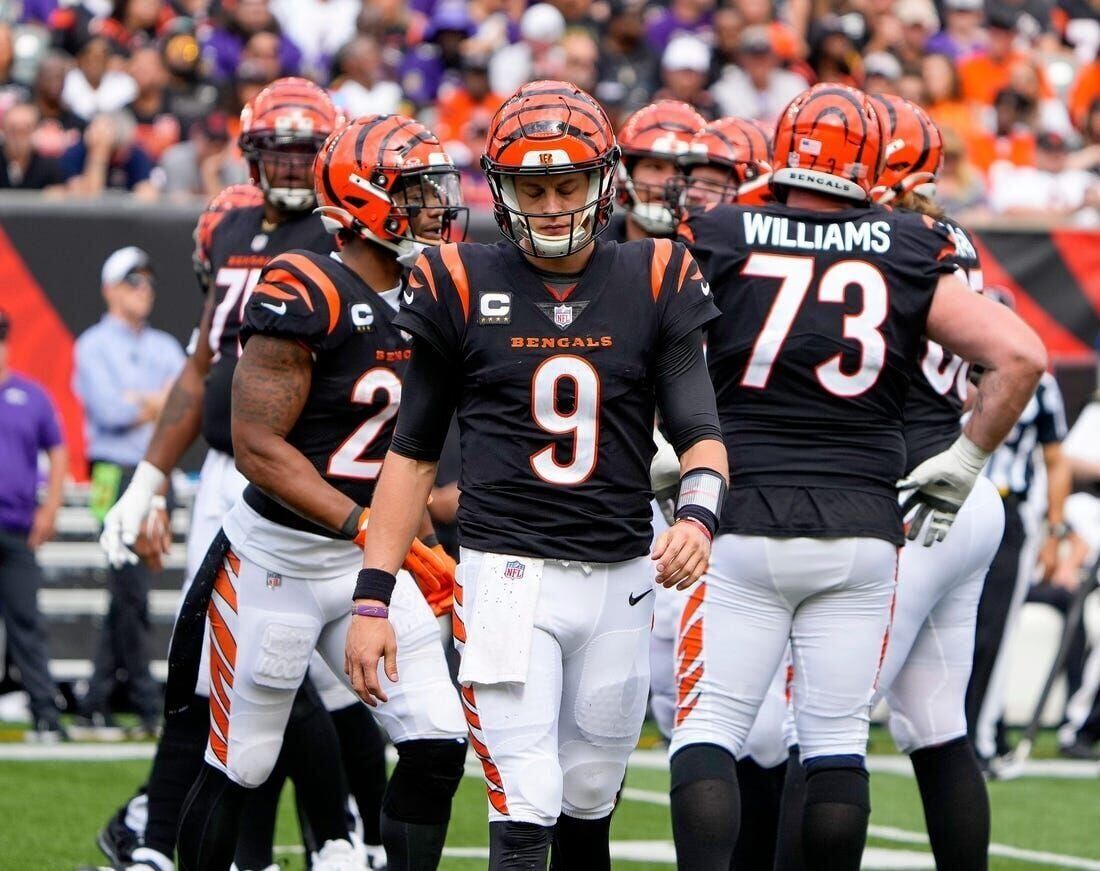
{"type": "Point", "coordinates": [556, 348]}
{"type": "Point", "coordinates": [826, 299]}
{"type": "Point", "coordinates": [242, 229]}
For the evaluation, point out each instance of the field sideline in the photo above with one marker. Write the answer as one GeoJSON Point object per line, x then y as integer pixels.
{"type": "Point", "coordinates": [1045, 820]}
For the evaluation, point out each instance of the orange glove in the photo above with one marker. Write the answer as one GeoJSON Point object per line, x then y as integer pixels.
{"type": "Point", "coordinates": [442, 601]}
{"type": "Point", "coordinates": [431, 568]}
{"type": "Point", "coordinates": [361, 538]}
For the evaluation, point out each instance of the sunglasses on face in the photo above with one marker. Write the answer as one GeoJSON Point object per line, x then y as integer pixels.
{"type": "Point", "coordinates": [137, 279]}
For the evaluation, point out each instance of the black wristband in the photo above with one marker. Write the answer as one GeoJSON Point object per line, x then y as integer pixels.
{"type": "Point", "coordinates": [430, 540]}
{"type": "Point", "coordinates": [350, 529]}
{"type": "Point", "coordinates": [374, 584]}
{"type": "Point", "coordinates": [704, 515]}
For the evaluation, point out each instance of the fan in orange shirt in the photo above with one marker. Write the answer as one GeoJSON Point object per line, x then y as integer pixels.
{"type": "Point", "coordinates": [470, 101]}
{"type": "Point", "coordinates": [1084, 92]}
{"type": "Point", "coordinates": [983, 76]}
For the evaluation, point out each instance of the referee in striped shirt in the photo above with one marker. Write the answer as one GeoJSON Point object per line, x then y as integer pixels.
{"type": "Point", "coordinates": [1012, 468]}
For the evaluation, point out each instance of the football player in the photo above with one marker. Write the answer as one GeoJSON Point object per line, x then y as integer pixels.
{"type": "Point", "coordinates": [315, 394]}
{"type": "Point", "coordinates": [825, 301]}
{"type": "Point", "coordinates": [927, 663]}
{"type": "Point", "coordinates": [652, 141]}
{"type": "Point", "coordinates": [556, 350]}
{"type": "Point", "coordinates": [728, 161]}
{"type": "Point", "coordinates": [242, 229]}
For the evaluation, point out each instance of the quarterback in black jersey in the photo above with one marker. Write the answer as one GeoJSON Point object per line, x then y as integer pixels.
{"type": "Point", "coordinates": [240, 230]}
{"type": "Point", "coordinates": [825, 299]}
{"type": "Point", "coordinates": [314, 400]}
{"type": "Point", "coordinates": [556, 350]}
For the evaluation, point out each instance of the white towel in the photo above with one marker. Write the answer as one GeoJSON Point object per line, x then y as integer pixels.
{"type": "Point", "coordinates": [498, 633]}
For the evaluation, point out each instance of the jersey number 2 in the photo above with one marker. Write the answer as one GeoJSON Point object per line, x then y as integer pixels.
{"type": "Point", "coordinates": [796, 275]}
{"type": "Point", "coordinates": [346, 462]}
{"type": "Point", "coordinates": [582, 422]}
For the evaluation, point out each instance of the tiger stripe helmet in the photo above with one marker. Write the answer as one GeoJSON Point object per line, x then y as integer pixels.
{"type": "Point", "coordinates": [829, 140]}
{"type": "Point", "coordinates": [282, 129]}
{"type": "Point", "coordinates": [662, 130]}
{"type": "Point", "coordinates": [236, 196]}
{"type": "Point", "coordinates": [387, 179]}
{"type": "Point", "coordinates": [550, 128]}
{"type": "Point", "coordinates": [913, 152]}
{"type": "Point", "coordinates": [737, 146]}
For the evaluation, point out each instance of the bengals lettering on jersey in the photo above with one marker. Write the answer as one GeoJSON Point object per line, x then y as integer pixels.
{"type": "Point", "coordinates": [556, 401]}
{"type": "Point", "coordinates": [823, 314]}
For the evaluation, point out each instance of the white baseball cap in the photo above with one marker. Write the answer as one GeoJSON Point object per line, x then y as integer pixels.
{"type": "Point", "coordinates": [686, 53]}
{"type": "Point", "coordinates": [122, 263]}
{"type": "Point", "coordinates": [542, 23]}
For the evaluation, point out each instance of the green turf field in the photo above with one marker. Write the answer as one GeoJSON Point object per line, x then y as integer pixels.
{"type": "Point", "coordinates": [51, 811]}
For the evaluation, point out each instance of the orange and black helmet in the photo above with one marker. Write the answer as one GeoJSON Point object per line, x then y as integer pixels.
{"type": "Point", "coordinates": [236, 196]}
{"type": "Point", "coordinates": [737, 147]}
{"type": "Point", "coordinates": [386, 179]}
{"type": "Point", "coordinates": [550, 128]}
{"type": "Point", "coordinates": [914, 149]}
{"type": "Point", "coordinates": [282, 129]}
{"type": "Point", "coordinates": [829, 140]}
{"type": "Point", "coordinates": [661, 130]}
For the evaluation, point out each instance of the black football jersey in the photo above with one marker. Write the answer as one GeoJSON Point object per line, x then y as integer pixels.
{"type": "Point", "coordinates": [359, 357]}
{"type": "Point", "coordinates": [616, 227]}
{"type": "Point", "coordinates": [557, 395]}
{"type": "Point", "coordinates": [822, 317]}
{"type": "Point", "coordinates": [238, 251]}
{"type": "Point", "coordinates": [938, 392]}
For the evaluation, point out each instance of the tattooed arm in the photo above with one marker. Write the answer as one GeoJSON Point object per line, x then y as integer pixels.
{"type": "Point", "coordinates": [181, 419]}
{"type": "Point", "coordinates": [270, 388]}
{"type": "Point", "coordinates": [983, 331]}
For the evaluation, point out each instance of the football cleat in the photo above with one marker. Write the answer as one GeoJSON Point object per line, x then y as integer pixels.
{"type": "Point", "coordinates": [339, 856]}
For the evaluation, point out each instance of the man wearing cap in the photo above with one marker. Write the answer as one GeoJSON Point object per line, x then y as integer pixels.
{"type": "Point", "coordinates": [1048, 190]}
{"type": "Point", "coordinates": [122, 370]}
{"type": "Point", "coordinates": [962, 34]}
{"type": "Point", "coordinates": [28, 425]}
{"type": "Point", "coordinates": [757, 87]}
{"type": "Point", "coordinates": [685, 71]}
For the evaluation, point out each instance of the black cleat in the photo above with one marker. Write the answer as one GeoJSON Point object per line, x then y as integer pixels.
{"type": "Point", "coordinates": [117, 840]}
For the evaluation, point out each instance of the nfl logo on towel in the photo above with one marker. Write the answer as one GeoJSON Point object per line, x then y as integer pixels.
{"type": "Point", "coordinates": [274, 580]}
{"type": "Point", "coordinates": [513, 569]}
{"type": "Point", "coordinates": [563, 316]}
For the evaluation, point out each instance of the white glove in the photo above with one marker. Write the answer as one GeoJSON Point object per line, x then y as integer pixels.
{"type": "Point", "coordinates": [943, 482]}
{"type": "Point", "coordinates": [123, 522]}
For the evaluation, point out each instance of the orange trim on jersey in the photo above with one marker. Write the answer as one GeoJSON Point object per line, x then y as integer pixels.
{"type": "Point", "coordinates": [890, 622]}
{"type": "Point", "coordinates": [323, 282]}
{"type": "Point", "coordinates": [662, 253]}
{"type": "Point", "coordinates": [686, 234]}
{"type": "Point", "coordinates": [452, 260]}
{"type": "Point", "coordinates": [234, 562]}
{"type": "Point", "coordinates": [278, 293]}
{"type": "Point", "coordinates": [220, 630]}
{"type": "Point", "coordinates": [689, 655]}
{"type": "Point", "coordinates": [426, 271]}
{"type": "Point", "coordinates": [683, 272]}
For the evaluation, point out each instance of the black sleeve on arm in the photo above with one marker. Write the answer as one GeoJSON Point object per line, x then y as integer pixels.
{"type": "Point", "coordinates": [685, 395]}
{"type": "Point", "coordinates": [429, 394]}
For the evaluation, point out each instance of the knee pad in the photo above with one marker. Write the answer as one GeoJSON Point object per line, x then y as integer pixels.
{"type": "Point", "coordinates": [425, 780]}
{"type": "Point", "coordinates": [836, 780]}
{"type": "Point", "coordinates": [589, 787]}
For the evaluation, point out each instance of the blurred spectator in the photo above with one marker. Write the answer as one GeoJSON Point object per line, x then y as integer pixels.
{"type": "Point", "coordinates": [206, 162]}
{"type": "Point", "coordinates": [28, 426]}
{"type": "Point", "coordinates": [261, 50]}
{"type": "Point", "coordinates": [189, 97]}
{"type": "Point", "coordinates": [983, 75]}
{"type": "Point", "coordinates": [881, 73]}
{"type": "Point", "coordinates": [108, 158]}
{"type": "Point", "coordinates": [1079, 24]}
{"type": "Point", "coordinates": [727, 27]}
{"type": "Point", "coordinates": [361, 86]}
{"type": "Point", "coordinates": [919, 22]}
{"type": "Point", "coordinates": [581, 58]}
{"type": "Point", "coordinates": [11, 91]}
{"type": "Point", "coordinates": [1032, 16]}
{"type": "Point", "coordinates": [23, 166]}
{"type": "Point", "coordinates": [135, 23]}
{"type": "Point", "coordinates": [319, 28]}
{"type": "Point", "coordinates": [71, 23]}
{"type": "Point", "coordinates": [685, 67]}
{"type": "Point", "coordinates": [578, 16]}
{"type": "Point", "coordinates": [238, 22]}
{"type": "Point", "coordinates": [883, 27]}
{"type": "Point", "coordinates": [759, 88]}
{"type": "Point", "coordinates": [157, 128]}
{"type": "Point", "coordinates": [90, 87]}
{"type": "Point", "coordinates": [959, 187]}
{"type": "Point", "coordinates": [944, 96]}
{"type": "Point", "coordinates": [122, 371]}
{"type": "Point", "coordinates": [1010, 138]}
{"type": "Point", "coordinates": [1084, 92]}
{"type": "Point", "coordinates": [428, 65]}
{"type": "Point", "coordinates": [1088, 157]}
{"type": "Point", "coordinates": [627, 65]}
{"type": "Point", "coordinates": [464, 111]}
{"type": "Point", "coordinates": [537, 56]}
{"type": "Point", "coordinates": [497, 24]}
{"type": "Point", "coordinates": [833, 54]}
{"type": "Point", "coordinates": [962, 34]}
{"type": "Point", "coordinates": [1049, 190]}
{"type": "Point", "coordinates": [247, 83]}
{"type": "Point", "coordinates": [38, 11]}
{"type": "Point", "coordinates": [58, 127]}
{"type": "Point", "coordinates": [680, 16]}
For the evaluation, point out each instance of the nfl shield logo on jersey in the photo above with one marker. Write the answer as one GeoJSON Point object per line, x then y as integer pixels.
{"type": "Point", "coordinates": [514, 569]}
{"type": "Point", "coordinates": [563, 316]}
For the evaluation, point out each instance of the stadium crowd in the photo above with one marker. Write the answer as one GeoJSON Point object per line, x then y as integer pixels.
{"type": "Point", "coordinates": [144, 95]}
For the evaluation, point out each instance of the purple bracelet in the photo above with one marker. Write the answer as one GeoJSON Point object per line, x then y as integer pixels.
{"type": "Point", "coordinates": [370, 611]}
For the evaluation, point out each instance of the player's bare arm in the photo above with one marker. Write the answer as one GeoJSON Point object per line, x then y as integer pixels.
{"type": "Point", "coordinates": [270, 387]}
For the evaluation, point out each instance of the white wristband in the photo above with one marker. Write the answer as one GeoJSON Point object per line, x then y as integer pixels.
{"type": "Point", "coordinates": [147, 479]}
{"type": "Point", "coordinates": [970, 456]}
